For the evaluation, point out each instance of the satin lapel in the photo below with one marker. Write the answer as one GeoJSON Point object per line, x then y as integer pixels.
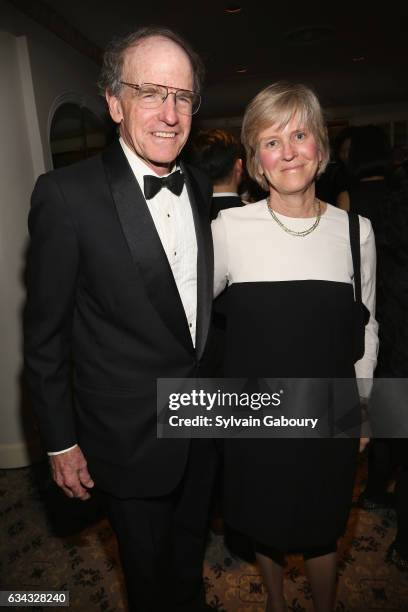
{"type": "Point", "coordinates": [205, 258]}
{"type": "Point", "coordinates": [144, 244]}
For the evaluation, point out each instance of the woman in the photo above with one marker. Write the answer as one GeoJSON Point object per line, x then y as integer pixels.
{"type": "Point", "coordinates": [288, 265]}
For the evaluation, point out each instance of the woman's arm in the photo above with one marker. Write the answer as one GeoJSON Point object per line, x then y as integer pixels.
{"type": "Point", "coordinates": [220, 254]}
{"type": "Point", "coordinates": [366, 365]}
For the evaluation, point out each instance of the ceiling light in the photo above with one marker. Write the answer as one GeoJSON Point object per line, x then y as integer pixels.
{"type": "Point", "coordinates": [309, 35]}
{"type": "Point", "coordinates": [232, 9]}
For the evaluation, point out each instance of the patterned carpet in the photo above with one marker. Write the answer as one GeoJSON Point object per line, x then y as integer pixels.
{"type": "Point", "coordinates": [51, 542]}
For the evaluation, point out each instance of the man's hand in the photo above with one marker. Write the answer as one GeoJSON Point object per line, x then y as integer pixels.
{"type": "Point", "coordinates": [363, 443]}
{"type": "Point", "coordinates": [70, 472]}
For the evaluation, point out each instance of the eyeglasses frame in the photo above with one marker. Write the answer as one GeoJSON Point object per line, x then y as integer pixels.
{"type": "Point", "coordinates": [166, 87]}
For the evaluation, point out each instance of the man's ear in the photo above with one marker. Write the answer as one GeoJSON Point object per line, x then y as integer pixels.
{"type": "Point", "coordinates": [238, 169]}
{"type": "Point", "coordinates": [115, 107]}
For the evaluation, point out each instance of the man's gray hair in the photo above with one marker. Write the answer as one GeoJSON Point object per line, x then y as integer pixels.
{"type": "Point", "coordinates": [112, 66]}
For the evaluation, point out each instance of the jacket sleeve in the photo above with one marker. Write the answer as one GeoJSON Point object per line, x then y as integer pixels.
{"type": "Point", "coordinates": [51, 273]}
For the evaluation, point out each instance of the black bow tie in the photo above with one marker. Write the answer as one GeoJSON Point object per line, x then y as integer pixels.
{"type": "Point", "coordinates": [153, 184]}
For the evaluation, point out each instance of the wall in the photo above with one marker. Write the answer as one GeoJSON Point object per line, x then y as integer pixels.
{"type": "Point", "coordinates": [16, 180]}
{"type": "Point", "coordinates": [355, 115]}
{"type": "Point", "coordinates": [38, 72]}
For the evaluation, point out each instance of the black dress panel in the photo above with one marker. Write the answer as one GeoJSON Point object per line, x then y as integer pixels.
{"type": "Point", "coordinates": [290, 494]}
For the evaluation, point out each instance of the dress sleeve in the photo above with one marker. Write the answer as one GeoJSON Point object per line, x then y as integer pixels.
{"type": "Point", "coordinates": [366, 365]}
{"type": "Point", "coordinates": [219, 233]}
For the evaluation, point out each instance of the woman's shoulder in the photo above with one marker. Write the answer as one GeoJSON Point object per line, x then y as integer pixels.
{"type": "Point", "coordinates": [243, 212]}
{"type": "Point", "coordinates": [336, 220]}
{"type": "Point", "coordinates": [366, 230]}
{"type": "Point", "coordinates": [335, 213]}
{"type": "Point", "coordinates": [231, 217]}
{"type": "Point", "coordinates": [340, 217]}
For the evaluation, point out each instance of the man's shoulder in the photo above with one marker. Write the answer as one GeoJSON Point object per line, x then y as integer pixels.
{"type": "Point", "coordinates": [84, 169]}
{"type": "Point", "coordinates": [75, 182]}
{"type": "Point", "coordinates": [198, 174]}
{"type": "Point", "coordinates": [200, 177]}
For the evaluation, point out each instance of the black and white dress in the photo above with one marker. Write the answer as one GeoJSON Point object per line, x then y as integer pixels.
{"type": "Point", "coordinates": [289, 314]}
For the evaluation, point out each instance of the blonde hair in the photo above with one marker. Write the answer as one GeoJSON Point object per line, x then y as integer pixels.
{"type": "Point", "coordinates": [277, 104]}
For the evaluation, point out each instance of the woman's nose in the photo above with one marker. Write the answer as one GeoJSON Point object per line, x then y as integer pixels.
{"type": "Point", "coordinates": [288, 150]}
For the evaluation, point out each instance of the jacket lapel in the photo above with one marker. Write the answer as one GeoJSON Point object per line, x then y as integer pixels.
{"type": "Point", "coordinates": [144, 243]}
{"type": "Point", "coordinates": [200, 204]}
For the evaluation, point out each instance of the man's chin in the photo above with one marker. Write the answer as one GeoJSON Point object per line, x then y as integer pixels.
{"type": "Point", "coordinates": [163, 160]}
{"type": "Point", "coordinates": [160, 166]}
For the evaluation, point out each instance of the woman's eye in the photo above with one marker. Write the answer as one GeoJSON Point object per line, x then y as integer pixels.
{"type": "Point", "coordinates": [300, 136]}
{"type": "Point", "coordinates": [272, 143]}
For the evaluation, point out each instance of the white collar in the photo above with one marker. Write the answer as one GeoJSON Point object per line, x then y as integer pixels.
{"type": "Point", "coordinates": [223, 194]}
{"type": "Point", "coordinates": [139, 167]}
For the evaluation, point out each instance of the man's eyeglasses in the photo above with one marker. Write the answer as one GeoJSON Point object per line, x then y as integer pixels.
{"type": "Point", "coordinates": [151, 95]}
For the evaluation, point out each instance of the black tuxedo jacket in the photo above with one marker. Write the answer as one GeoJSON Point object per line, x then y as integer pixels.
{"type": "Point", "coordinates": [104, 318]}
{"type": "Point", "coordinates": [223, 202]}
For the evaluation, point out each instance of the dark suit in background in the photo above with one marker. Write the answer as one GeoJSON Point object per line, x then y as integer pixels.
{"type": "Point", "coordinates": [222, 202]}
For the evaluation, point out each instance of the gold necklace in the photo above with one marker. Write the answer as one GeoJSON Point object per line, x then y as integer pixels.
{"type": "Point", "coordinates": [292, 232]}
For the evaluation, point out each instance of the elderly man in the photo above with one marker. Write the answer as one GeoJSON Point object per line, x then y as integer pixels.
{"type": "Point", "coordinates": [119, 294]}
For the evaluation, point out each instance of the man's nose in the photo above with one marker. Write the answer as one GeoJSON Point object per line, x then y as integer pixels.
{"type": "Point", "coordinates": [168, 110]}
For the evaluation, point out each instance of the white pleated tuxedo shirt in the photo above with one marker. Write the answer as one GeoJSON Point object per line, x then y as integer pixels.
{"type": "Point", "coordinates": [173, 219]}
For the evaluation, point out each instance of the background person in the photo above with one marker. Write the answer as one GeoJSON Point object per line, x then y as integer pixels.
{"type": "Point", "coordinates": [393, 363]}
{"type": "Point", "coordinates": [120, 282]}
{"type": "Point", "coordinates": [219, 154]}
{"type": "Point", "coordinates": [288, 266]}
{"type": "Point", "coordinates": [368, 165]}
{"type": "Point", "coordinates": [332, 185]}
